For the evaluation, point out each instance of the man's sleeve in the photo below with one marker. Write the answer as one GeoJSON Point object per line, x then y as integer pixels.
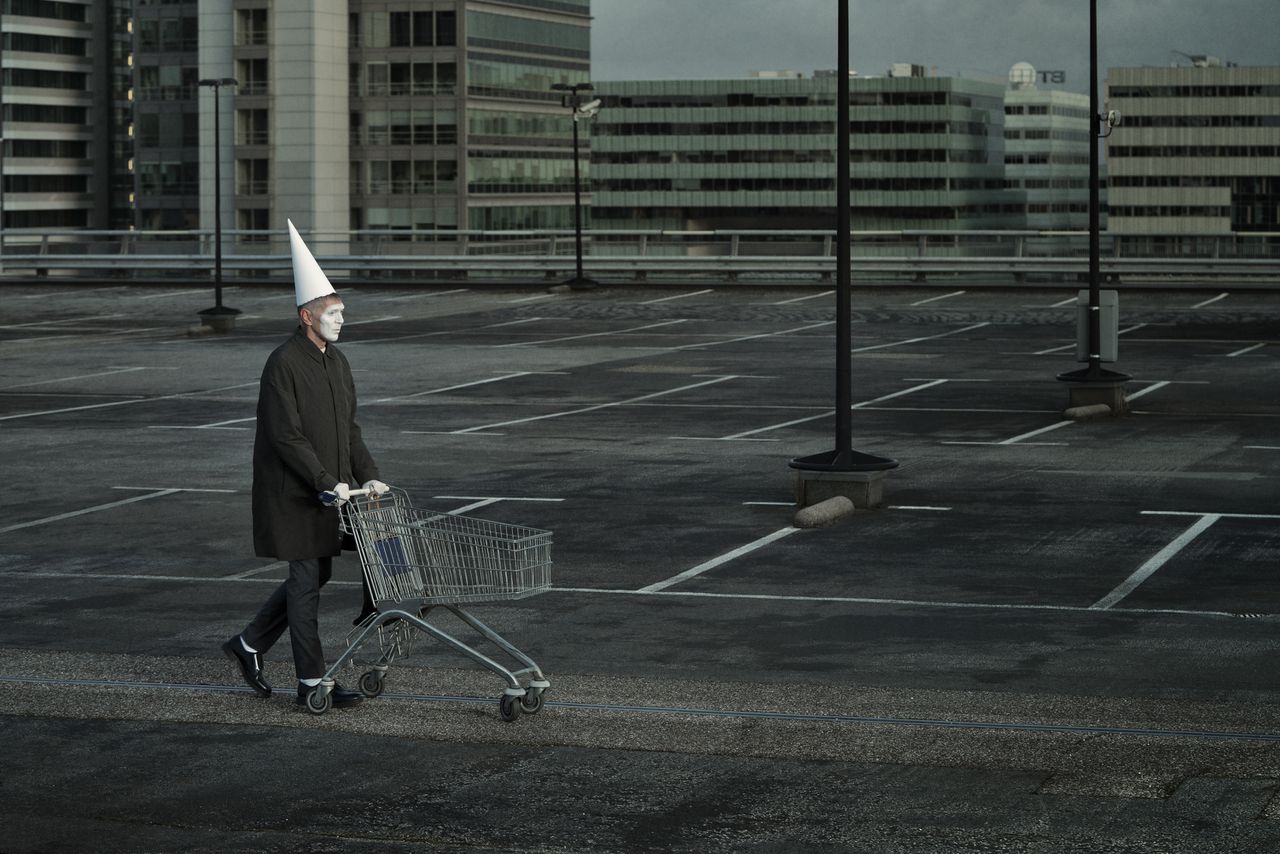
{"type": "Point", "coordinates": [283, 428]}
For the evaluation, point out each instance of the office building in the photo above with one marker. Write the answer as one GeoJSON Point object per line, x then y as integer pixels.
{"type": "Point", "coordinates": [1198, 152]}
{"type": "Point", "coordinates": [1047, 136]}
{"type": "Point", "coordinates": [372, 114]}
{"type": "Point", "coordinates": [927, 152]}
{"type": "Point", "coordinates": [66, 114]}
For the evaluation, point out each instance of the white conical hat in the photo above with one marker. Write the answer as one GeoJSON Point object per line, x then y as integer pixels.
{"type": "Point", "coordinates": [309, 281]}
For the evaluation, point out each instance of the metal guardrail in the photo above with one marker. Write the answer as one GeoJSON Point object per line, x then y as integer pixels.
{"type": "Point", "coordinates": [638, 255]}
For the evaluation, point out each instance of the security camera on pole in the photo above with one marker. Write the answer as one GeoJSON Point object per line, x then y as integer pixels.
{"type": "Point", "coordinates": [579, 110]}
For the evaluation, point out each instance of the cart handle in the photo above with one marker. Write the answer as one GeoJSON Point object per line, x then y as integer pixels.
{"type": "Point", "coordinates": [328, 498]}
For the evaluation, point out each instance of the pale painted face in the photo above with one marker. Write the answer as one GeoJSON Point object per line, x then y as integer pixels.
{"type": "Point", "coordinates": [329, 323]}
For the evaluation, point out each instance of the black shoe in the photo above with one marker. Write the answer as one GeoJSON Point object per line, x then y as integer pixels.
{"type": "Point", "coordinates": [342, 698]}
{"type": "Point", "coordinates": [250, 665]}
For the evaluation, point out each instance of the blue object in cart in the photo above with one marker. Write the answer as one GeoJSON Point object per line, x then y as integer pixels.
{"type": "Point", "coordinates": [392, 553]}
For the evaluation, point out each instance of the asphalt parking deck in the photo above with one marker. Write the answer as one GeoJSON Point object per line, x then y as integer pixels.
{"type": "Point", "coordinates": [1055, 635]}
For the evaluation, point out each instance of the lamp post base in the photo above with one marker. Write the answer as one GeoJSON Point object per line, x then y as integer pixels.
{"type": "Point", "coordinates": [857, 476]}
{"type": "Point", "coordinates": [1091, 386]}
{"type": "Point", "coordinates": [581, 283]}
{"type": "Point", "coordinates": [220, 318]}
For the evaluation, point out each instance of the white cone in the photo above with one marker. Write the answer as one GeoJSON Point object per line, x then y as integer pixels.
{"type": "Point", "coordinates": [309, 281]}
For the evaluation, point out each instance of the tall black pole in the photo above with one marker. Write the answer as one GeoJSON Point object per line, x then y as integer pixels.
{"type": "Point", "coordinates": [844, 284]}
{"type": "Point", "coordinates": [217, 202]}
{"type": "Point", "coordinates": [843, 457]}
{"type": "Point", "coordinates": [1095, 228]}
{"type": "Point", "coordinates": [577, 192]}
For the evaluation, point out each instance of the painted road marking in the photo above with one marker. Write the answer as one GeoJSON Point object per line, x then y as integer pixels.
{"type": "Point", "coordinates": [918, 340]}
{"type": "Point", "coordinates": [830, 412]}
{"type": "Point", "coordinates": [584, 409]}
{"type": "Point", "coordinates": [125, 402]}
{"type": "Point", "coordinates": [1248, 349]}
{"type": "Point", "coordinates": [718, 561]}
{"type": "Point", "coordinates": [1149, 568]}
{"type": "Point", "coordinates": [453, 387]}
{"type": "Point", "coordinates": [936, 299]}
{"type": "Point", "coordinates": [802, 299]}
{"type": "Point", "coordinates": [70, 379]}
{"type": "Point", "coordinates": [754, 337]}
{"type": "Point", "coordinates": [677, 296]}
{"type": "Point", "coordinates": [1220, 296]}
{"type": "Point", "coordinates": [591, 334]}
{"type": "Point", "coordinates": [96, 508]}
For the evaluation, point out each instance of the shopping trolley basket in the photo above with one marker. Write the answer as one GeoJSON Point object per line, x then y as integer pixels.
{"type": "Point", "coordinates": [415, 560]}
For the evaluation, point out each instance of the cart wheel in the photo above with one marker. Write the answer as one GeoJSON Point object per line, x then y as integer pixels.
{"type": "Point", "coordinates": [509, 707]}
{"type": "Point", "coordinates": [531, 703]}
{"type": "Point", "coordinates": [318, 705]}
{"type": "Point", "coordinates": [371, 683]}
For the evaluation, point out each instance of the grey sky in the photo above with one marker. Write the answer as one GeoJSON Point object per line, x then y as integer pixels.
{"type": "Point", "coordinates": [663, 39]}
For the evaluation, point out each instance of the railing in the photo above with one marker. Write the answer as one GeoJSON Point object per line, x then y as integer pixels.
{"type": "Point", "coordinates": [716, 256]}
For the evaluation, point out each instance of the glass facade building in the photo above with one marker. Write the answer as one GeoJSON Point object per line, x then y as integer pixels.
{"type": "Point", "coordinates": [1047, 137]}
{"type": "Point", "coordinates": [64, 104]}
{"type": "Point", "coordinates": [1199, 149]}
{"type": "Point", "coordinates": [927, 152]}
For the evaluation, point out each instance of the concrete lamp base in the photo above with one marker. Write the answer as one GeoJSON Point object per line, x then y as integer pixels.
{"type": "Point", "coordinates": [1109, 393]}
{"type": "Point", "coordinates": [864, 488]}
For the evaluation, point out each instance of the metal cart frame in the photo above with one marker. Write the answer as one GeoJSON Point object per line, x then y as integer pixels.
{"type": "Point", "coordinates": [415, 560]}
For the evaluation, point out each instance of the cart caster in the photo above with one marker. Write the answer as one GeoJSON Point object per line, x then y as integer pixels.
{"type": "Point", "coordinates": [509, 707]}
{"type": "Point", "coordinates": [531, 702]}
{"type": "Point", "coordinates": [371, 683]}
{"type": "Point", "coordinates": [317, 704]}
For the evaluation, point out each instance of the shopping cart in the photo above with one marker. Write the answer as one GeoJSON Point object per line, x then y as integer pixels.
{"type": "Point", "coordinates": [415, 560]}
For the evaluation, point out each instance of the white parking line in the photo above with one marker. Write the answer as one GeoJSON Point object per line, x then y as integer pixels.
{"type": "Point", "coordinates": [924, 338]}
{"type": "Point", "coordinates": [802, 299]}
{"type": "Point", "coordinates": [1153, 387]}
{"type": "Point", "coordinates": [452, 387]}
{"type": "Point", "coordinates": [583, 409]}
{"type": "Point", "coordinates": [1149, 568]}
{"type": "Point", "coordinates": [831, 412]}
{"type": "Point", "coordinates": [1248, 349]}
{"type": "Point", "coordinates": [424, 295]}
{"type": "Point", "coordinates": [530, 299]}
{"type": "Point", "coordinates": [46, 520]}
{"type": "Point", "coordinates": [1220, 296]}
{"type": "Point", "coordinates": [70, 379]}
{"type": "Point", "coordinates": [677, 296]}
{"type": "Point", "coordinates": [717, 561]}
{"type": "Point", "coordinates": [936, 299]}
{"type": "Point", "coordinates": [590, 335]}
{"type": "Point", "coordinates": [124, 402]}
{"type": "Point", "coordinates": [1071, 346]}
{"type": "Point", "coordinates": [44, 323]}
{"type": "Point", "coordinates": [755, 337]}
{"type": "Point", "coordinates": [372, 320]}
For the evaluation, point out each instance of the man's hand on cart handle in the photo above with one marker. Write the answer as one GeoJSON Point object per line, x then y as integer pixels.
{"type": "Point", "coordinates": [340, 494]}
{"type": "Point", "coordinates": [376, 487]}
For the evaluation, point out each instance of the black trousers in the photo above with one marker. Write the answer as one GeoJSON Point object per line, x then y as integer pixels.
{"type": "Point", "coordinates": [295, 605]}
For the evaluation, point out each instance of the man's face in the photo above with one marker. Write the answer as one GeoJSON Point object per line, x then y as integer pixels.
{"type": "Point", "coordinates": [329, 324]}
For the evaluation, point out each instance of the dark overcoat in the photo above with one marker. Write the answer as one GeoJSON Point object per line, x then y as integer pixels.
{"type": "Point", "coordinates": [307, 441]}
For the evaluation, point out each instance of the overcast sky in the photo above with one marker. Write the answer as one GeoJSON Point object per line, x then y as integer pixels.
{"type": "Point", "coordinates": [664, 39]}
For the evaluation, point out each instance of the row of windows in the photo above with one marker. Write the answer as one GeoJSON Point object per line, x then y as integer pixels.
{"type": "Point", "coordinates": [1206, 91]}
{"type": "Point", "coordinates": [761, 99]}
{"type": "Point", "coordinates": [521, 172]}
{"type": "Point", "coordinates": [404, 127]}
{"type": "Point", "coordinates": [402, 29]}
{"type": "Point", "coordinates": [46, 183]}
{"type": "Point", "coordinates": [1202, 121]}
{"type": "Point", "coordinates": [1048, 183]}
{"type": "Point", "coordinates": [1193, 151]}
{"type": "Point", "coordinates": [511, 33]}
{"type": "Point", "coordinates": [45, 79]}
{"type": "Point", "coordinates": [168, 34]}
{"type": "Point", "coordinates": [404, 177]}
{"type": "Point", "coordinates": [521, 218]}
{"type": "Point", "coordinates": [1057, 159]}
{"type": "Point", "coordinates": [861, 155]}
{"type": "Point", "coordinates": [420, 218]}
{"type": "Point", "coordinates": [46, 113]}
{"type": "Point", "coordinates": [52, 219]}
{"type": "Point", "coordinates": [749, 128]}
{"type": "Point", "coordinates": [877, 213]}
{"type": "Point", "coordinates": [492, 126]}
{"type": "Point", "coordinates": [32, 43]}
{"type": "Point", "coordinates": [167, 82]}
{"type": "Point", "coordinates": [1170, 210]}
{"type": "Point", "coordinates": [710, 185]}
{"type": "Point", "coordinates": [1072, 135]}
{"type": "Point", "coordinates": [1249, 184]}
{"type": "Point", "coordinates": [45, 9]}
{"type": "Point", "coordinates": [172, 132]}
{"type": "Point", "coordinates": [1045, 110]}
{"type": "Point", "coordinates": [524, 79]}
{"type": "Point", "coordinates": [403, 78]}
{"type": "Point", "coordinates": [169, 178]}
{"type": "Point", "coordinates": [56, 149]}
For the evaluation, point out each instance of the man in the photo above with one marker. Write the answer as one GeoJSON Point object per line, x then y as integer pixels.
{"type": "Point", "coordinates": [307, 442]}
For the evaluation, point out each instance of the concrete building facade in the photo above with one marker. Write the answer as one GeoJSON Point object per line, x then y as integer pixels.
{"type": "Point", "coordinates": [66, 113]}
{"type": "Point", "coordinates": [1198, 151]}
{"type": "Point", "coordinates": [927, 152]}
{"type": "Point", "coordinates": [1047, 137]}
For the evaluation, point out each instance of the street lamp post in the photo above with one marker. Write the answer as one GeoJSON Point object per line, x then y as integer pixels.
{"type": "Point", "coordinates": [1095, 383]}
{"type": "Point", "coordinates": [857, 465]}
{"type": "Point", "coordinates": [578, 110]}
{"type": "Point", "coordinates": [220, 317]}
